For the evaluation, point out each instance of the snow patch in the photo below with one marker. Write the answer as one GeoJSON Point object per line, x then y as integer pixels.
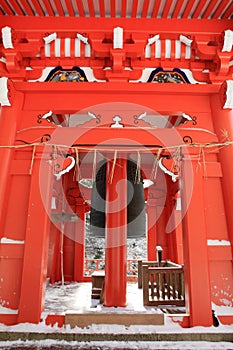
{"type": "Point", "coordinates": [216, 242]}
{"type": "Point", "coordinates": [6, 310]}
{"type": "Point", "coordinates": [5, 240]}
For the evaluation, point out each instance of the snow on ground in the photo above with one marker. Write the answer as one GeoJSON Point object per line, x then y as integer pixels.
{"type": "Point", "coordinates": [77, 297]}
{"type": "Point", "coordinates": [107, 345]}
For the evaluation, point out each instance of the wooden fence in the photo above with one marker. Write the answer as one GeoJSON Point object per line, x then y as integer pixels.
{"type": "Point", "coordinates": [162, 285]}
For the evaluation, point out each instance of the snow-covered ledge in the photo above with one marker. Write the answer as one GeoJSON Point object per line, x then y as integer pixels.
{"type": "Point", "coordinates": [5, 240]}
{"type": "Point", "coordinates": [229, 94]}
{"type": "Point", "coordinates": [4, 100]}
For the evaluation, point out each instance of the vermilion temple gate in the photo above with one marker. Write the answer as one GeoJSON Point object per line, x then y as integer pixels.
{"type": "Point", "coordinates": [147, 80]}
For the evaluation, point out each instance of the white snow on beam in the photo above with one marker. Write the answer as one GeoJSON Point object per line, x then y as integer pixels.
{"type": "Point", "coordinates": [229, 94]}
{"type": "Point", "coordinates": [118, 38]}
{"type": "Point", "coordinates": [4, 101]}
{"type": "Point", "coordinates": [5, 240]}
{"type": "Point", "coordinates": [7, 38]}
{"type": "Point", "coordinates": [216, 242]}
{"type": "Point", "coordinates": [228, 41]}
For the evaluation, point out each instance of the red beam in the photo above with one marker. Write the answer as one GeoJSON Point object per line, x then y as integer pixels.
{"type": "Point", "coordinates": [91, 8]}
{"type": "Point", "coordinates": [80, 8]}
{"type": "Point", "coordinates": [38, 8]}
{"type": "Point", "coordinates": [198, 10]}
{"type": "Point", "coordinates": [48, 7]}
{"type": "Point", "coordinates": [7, 8]}
{"type": "Point", "coordinates": [220, 8]}
{"type": "Point", "coordinates": [166, 8]}
{"type": "Point", "coordinates": [17, 8]}
{"type": "Point", "coordinates": [156, 9]}
{"type": "Point", "coordinates": [113, 8]}
{"type": "Point", "coordinates": [188, 8]}
{"type": "Point", "coordinates": [134, 8]}
{"type": "Point", "coordinates": [123, 8]}
{"type": "Point", "coordinates": [209, 8]}
{"type": "Point", "coordinates": [102, 8]}
{"type": "Point", "coordinates": [145, 8]}
{"type": "Point", "coordinates": [69, 7]}
{"type": "Point", "coordinates": [27, 7]}
{"type": "Point", "coordinates": [228, 12]}
{"type": "Point", "coordinates": [177, 8]}
{"type": "Point", "coordinates": [59, 7]}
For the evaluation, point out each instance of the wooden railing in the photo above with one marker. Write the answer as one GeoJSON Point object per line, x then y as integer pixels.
{"type": "Point", "coordinates": [91, 265]}
{"type": "Point", "coordinates": [162, 284]}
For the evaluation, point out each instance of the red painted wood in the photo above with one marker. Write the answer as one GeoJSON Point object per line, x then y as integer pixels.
{"type": "Point", "coordinates": [228, 12]}
{"type": "Point", "coordinates": [17, 8]}
{"type": "Point", "coordinates": [7, 8]}
{"type": "Point", "coordinates": [69, 8]}
{"type": "Point", "coordinates": [196, 265]}
{"type": "Point", "coordinates": [91, 8]}
{"type": "Point", "coordinates": [48, 7]}
{"type": "Point", "coordinates": [59, 8]}
{"type": "Point", "coordinates": [38, 8]}
{"type": "Point", "coordinates": [134, 8]}
{"type": "Point", "coordinates": [116, 235]}
{"type": "Point", "coordinates": [145, 8]}
{"type": "Point", "coordinates": [156, 9]}
{"type": "Point", "coordinates": [123, 8]}
{"type": "Point", "coordinates": [166, 8]}
{"type": "Point", "coordinates": [177, 8]}
{"type": "Point", "coordinates": [27, 7]}
{"type": "Point", "coordinates": [188, 8]}
{"type": "Point", "coordinates": [102, 8]}
{"type": "Point", "coordinates": [113, 8]}
{"type": "Point", "coordinates": [220, 8]}
{"type": "Point", "coordinates": [80, 8]}
{"type": "Point", "coordinates": [209, 9]}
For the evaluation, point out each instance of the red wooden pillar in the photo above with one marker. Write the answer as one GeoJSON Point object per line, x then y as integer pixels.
{"type": "Point", "coordinates": [196, 264]}
{"type": "Point", "coordinates": [9, 117]}
{"type": "Point", "coordinates": [151, 229]}
{"type": "Point", "coordinates": [223, 122]}
{"type": "Point", "coordinates": [34, 269]}
{"type": "Point", "coordinates": [116, 235]}
{"type": "Point", "coordinates": [79, 245]}
{"type": "Point", "coordinates": [161, 234]}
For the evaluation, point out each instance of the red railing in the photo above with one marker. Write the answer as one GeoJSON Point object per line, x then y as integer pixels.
{"type": "Point", "coordinates": [91, 265]}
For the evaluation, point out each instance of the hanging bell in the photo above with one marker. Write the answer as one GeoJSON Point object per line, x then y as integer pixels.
{"type": "Point", "coordinates": [136, 214]}
{"type": "Point", "coordinates": [98, 202]}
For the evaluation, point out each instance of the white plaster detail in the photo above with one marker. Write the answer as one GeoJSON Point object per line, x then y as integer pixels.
{"type": "Point", "coordinates": [153, 39]}
{"type": "Point", "coordinates": [229, 94]}
{"type": "Point", "coordinates": [47, 115]}
{"type": "Point", "coordinates": [66, 170]}
{"type": "Point", "coordinates": [48, 39]}
{"type": "Point", "coordinates": [5, 240]}
{"type": "Point", "coordinates": [216, 242]}
{"type": "Point", "coordinates": [4, 101]}
{"type": "Point", "coordinates": [117, 119]}
{"type": "Point", "coordinates": [7, 38]}
{"type": "Point", "coordinates": [166, 171]}
{"type": "Point", "coordinates": [118, 38]}
{"type": "Point", "coordinates": [228, 41]}
{"type": "Point", "coordinates": [186, 116]}
{"type": "Point", "coordinates": [83, 38]}
{"type": "Point", "coordinates": [185, 40]}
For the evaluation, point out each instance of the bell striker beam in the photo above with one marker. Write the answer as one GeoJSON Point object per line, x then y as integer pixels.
{"type": "Point", "coordinates": [116, 234]}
